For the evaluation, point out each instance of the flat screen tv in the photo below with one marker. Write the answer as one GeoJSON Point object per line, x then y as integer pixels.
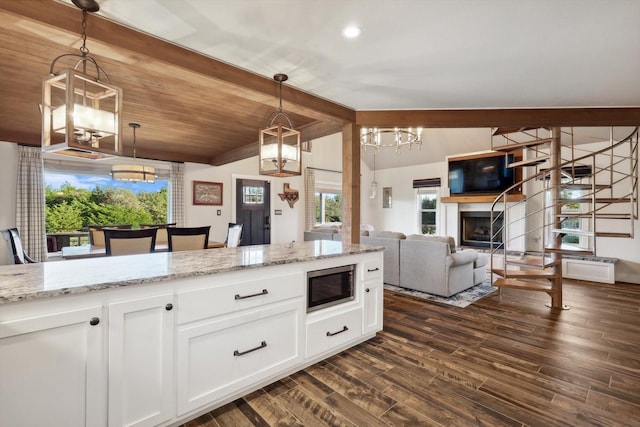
{"type": "Point", "coordinates": [481, 175]}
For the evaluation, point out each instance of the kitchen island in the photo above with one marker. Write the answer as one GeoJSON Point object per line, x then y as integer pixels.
{"type": "Point", "coordinates": [157, 339]}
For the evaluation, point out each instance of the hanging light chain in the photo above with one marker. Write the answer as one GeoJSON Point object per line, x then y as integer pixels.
{"type": "Point", "coordinates": [83, 49]}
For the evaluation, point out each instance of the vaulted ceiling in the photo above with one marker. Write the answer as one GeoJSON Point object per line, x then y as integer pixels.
{"type": "Point", "coordinates": [200, 80]}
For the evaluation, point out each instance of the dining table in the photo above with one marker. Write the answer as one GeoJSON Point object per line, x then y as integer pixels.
{"type": "Point", "coordinates": [92, 251]}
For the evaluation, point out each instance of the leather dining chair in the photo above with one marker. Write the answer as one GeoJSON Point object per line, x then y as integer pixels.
{"type": "Point", "coordinates": [162, 237]}
{"type": "Point", "coordinates": [188, 238]}
{"type": "Point", "coordinates": [129, 242]}
{"type": "Point", "coordinates": [12, 236]}
{"type": "Point", "coordinates": [96, 236]}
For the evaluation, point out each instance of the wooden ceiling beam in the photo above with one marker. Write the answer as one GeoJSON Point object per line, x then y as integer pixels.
{"type": "Point", "coordinates": [529, 117]}
{"type": "Point", "coordinates": [237, 81]}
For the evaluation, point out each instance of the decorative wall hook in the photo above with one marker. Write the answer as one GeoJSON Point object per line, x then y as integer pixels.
{"type": "Point", "coordinates": [289, 194]}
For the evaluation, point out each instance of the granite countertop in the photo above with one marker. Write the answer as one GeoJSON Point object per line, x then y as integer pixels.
{"type": "Point", "coordinates": [30, 281]}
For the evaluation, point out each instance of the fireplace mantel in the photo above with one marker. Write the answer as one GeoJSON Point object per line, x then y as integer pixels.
{"type": "Point", "coordinates": [481, 199]}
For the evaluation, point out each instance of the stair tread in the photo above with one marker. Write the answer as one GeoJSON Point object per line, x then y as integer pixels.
{"type": "Point", "coordinates": [522, 284]}
{"type": "Point", "coordinates": [598, 215]}
{"type": "Point", "coordinates": [524, 274]}
{"type": "Point", "coordinates": [506, 130]}
{"type": "Point", "coordinates": [577, 186]}
{"type": "Point", "coordinates": [518, 145]}
{"type": "Point", "coordinates": [611, 234]}
{"type": "Point", "coordinates": [569, 250]}
{"type": "Point", "coordinates": [574, 231]}
{"type": "Point", "coordinates": [598, 200]}
{"type": "Point", "coordinates": [529, 162]}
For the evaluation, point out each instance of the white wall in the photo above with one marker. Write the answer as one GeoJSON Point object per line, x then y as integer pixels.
{"type": "Point", "coordinates": [403, 214]}
{"type": "Point", "coordinates": [8, 173]}
{"type": "Point", "coordinates": [288, 227]}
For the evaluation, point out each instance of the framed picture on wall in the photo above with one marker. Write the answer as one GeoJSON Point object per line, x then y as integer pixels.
{"type": "Point", "coordinates": [386, 197]}
{"type": "Point", "coordinates": [207, 193]}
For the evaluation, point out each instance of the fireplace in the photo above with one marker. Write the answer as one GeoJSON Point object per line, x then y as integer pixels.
{"type": "Point", "coordinates": [475, 228]}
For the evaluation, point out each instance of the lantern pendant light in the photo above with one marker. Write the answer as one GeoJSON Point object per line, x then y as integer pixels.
{"type": "Point", "coordinates": [279, 149]}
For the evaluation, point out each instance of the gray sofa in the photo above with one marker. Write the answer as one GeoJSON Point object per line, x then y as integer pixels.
{"type": "Point", "coordinates": [323, 233]}
{"type": "Point", "coordinates": [391, 241]}
{"type": "Point", "coordinates": [428, 263]}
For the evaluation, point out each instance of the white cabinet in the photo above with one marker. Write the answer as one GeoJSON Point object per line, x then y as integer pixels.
{"type": "Point", "coordinates": [218, 358]}
{"type": "Point", "coordinates": [331, 328]}
{"type": "Point", "coordinates": [141, 348]}
{"type": "Point", "coordinates": [372, 306]}
{"type": "Point", "coordinates": [51, 370]}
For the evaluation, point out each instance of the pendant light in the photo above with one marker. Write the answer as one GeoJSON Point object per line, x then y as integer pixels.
{"type": "Point", "coordinates": [280, 145]}
{"type": "Point", "coordinates": [133, 172]}
{"type": "Point", "coordinates": [373, 192]}
{"type": "Point", "coordinates": [81, 112]}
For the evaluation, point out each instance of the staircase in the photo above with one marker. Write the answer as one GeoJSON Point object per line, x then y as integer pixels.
{"type": "Point", "coordinates": [573, 197]}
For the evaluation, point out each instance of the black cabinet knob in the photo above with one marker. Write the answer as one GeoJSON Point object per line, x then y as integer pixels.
{"type": "Point", "coordinates": [367, 290]}
{"type": "Point", "coordinates": [168, 307]}
{"type": "Point", "coordinates": [94, 321]}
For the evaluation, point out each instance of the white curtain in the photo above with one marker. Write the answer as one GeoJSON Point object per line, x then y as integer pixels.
{"type": "Point", "coordinates": [30, 202]}
{"type": "Point", "coordinates": [310, 199]}
{"type": "Point", "coordinates": [177, 194]}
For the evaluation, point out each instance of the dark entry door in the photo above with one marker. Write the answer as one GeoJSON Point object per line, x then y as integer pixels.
{"type": "Point", "coordinates": [252, 210]}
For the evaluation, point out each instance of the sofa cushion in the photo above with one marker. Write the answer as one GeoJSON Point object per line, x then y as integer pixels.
{"type": "Point", "coordinates": [462, 257]}
{"type": "Point", "coordinates": [438, 239]}
{"type": "Point", "coordinates": [387, 234]}
{"type": "Point", "coordinates": [481, 261]}
{"type": "Point", "coordinates": [364, 233]}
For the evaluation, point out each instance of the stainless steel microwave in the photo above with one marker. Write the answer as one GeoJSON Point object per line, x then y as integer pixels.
{"type": "Point", "coordinates": [330, 286]}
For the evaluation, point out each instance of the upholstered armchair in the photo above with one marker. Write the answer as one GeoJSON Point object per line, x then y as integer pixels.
{"type": "Point", "coordinates": [431, 264]}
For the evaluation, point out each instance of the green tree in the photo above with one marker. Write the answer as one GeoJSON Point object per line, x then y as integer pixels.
{"type": "Point", "coordinates": [155, 204]}
{"type": "Point", "coordinates": [63, 217]}
{"type": "Point", "coordinates": [333, 208]}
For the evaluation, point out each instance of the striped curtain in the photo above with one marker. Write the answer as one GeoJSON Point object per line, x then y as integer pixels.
{"type": "Point", "coordinates": [310, 199]}
{"type": "Point", "coordinates": [30, 202]}
{"type": "Point", "coordinates": [177, 194]}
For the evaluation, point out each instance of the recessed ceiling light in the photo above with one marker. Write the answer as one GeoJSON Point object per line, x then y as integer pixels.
{"type": "Point", "coordinates": [351, 32]}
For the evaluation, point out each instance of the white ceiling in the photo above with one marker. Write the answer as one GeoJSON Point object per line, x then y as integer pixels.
{"type": "Point", "coordinates": [417, 54]}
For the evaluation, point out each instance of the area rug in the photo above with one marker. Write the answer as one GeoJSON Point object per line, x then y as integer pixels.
{"type": "Point", "coordinates": [461, 299]}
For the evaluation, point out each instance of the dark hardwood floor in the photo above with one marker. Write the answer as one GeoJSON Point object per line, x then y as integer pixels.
{"type": "Point", "coordinates": [504, 360]}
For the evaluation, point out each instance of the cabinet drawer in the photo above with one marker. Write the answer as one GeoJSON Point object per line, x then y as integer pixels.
{"type": "Point", "coordinates": [221, 357]}
{"type": "Point", "coordinates": [372, 269]}
{"type": "Point", "coordinates": [327, 333]}
{"type": "Point", "coordinates": [228, 298]}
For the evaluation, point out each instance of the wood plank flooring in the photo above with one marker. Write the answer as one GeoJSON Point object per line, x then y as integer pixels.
{"type": "Point", "coordinates": [503, 361]}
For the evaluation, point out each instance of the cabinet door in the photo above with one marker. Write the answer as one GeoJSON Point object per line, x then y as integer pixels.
{"type": "Point", "coordinates": [373, 310]}
{"type": "Point", "coordinates": [141, 361]}
{"type": "Point", "coordinates": [52, 370]}
{"type": "Point", "coordinates": [219, 358]}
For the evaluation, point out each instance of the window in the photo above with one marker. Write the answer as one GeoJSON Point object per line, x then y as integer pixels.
{"type": "Point", "coordinates": [573, 220]}
{"type": "Point", "coordinates": [328, 208]}
{"type": "Point", "coordinates": [253, 195]}
{"type": "Point", "coordinates": [428, 210]}
{"type": "Point", "coordinates": [78, 194]}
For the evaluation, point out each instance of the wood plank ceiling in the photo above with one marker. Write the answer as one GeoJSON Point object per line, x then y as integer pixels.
{"type": "Point", "coordinates": [191, 107]}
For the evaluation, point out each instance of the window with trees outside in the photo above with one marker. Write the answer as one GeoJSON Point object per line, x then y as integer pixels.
{"type": "Point", "coordinates": [76, 199]}
{"type": "Point", "coordinates": [428, 210]}
{"type": "Point", "coordinates": [572, 222]}
{"type": "Point", "coordinates": [328, 208]}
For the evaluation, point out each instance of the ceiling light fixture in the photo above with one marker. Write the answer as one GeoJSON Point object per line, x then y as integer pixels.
{"type": "Point", "coordinates": [133, 172]}
{"type": "Point", "coordinates": [351, 32]}
{"type": "Point", "coordinates": [373, 192]}
{"type": "Point", "coordinates": [80, 112]}
{"type": "Point", "coordinates": [280, 145]}
{"type": "Point", "coordinates": [390, 138]}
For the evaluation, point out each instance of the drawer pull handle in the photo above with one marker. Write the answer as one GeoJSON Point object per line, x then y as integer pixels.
{"type": "Point", "coordinates": [94, 321]}
{"type": "Point", "coordinates": [371, 270]}
{"type": "Point", "coordinates": [367, 290]}
{"type": "Point", "coordinates": [264, 292]}
{"type": "Point", "coordinates": [263, 344]}
{"type": "Point", "coordinates": [344, 329]}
